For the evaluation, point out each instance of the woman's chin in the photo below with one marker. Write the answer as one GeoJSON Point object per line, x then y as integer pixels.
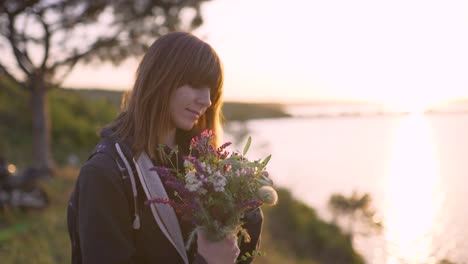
{"type": "Point", "coordinates": [186, 127]}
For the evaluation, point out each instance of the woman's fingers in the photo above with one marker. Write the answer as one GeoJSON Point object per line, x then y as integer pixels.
{"type": "Point", "coordinates": [225, 251]}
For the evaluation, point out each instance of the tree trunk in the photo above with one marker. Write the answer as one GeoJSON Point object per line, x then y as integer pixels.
{"type": "Point", "coordinates": [352, 219]}
{"type": "Point", "coordinates": [42, 158]}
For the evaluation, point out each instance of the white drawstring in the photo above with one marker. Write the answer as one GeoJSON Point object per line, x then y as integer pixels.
{"type": "Point", "coordinates": [136, 222]}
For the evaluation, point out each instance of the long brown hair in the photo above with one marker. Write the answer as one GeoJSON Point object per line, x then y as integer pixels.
{"type": "Point", "coordinates": [173, 60]}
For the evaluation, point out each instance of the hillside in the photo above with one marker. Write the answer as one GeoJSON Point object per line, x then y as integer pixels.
{"type": "Point", "coordinates": [76, 117]}
{"type": "Point", "coordinates": [232, 111]}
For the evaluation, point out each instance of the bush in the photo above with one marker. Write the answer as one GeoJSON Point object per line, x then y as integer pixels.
{"type": "Point", "coordinates": [299, 230]}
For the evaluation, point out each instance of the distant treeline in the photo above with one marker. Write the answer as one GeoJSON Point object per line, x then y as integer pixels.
{"type": "Point", "coordinates": [76, 117]}
{"type": "Point", "coordinates": [232, 111]}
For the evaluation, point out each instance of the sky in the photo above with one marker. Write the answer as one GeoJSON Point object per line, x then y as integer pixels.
{"type": "Point", "coordinates": [406, 52]}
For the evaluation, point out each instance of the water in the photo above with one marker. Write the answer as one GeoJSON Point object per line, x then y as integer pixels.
{"type": "Point", "coordinates": [414, 166]}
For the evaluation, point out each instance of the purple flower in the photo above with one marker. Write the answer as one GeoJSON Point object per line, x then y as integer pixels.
{"type": "Point", "coordinates": [163, 172]}
{"type": "Point", "coordinates": [197, 164]}
{"type": "Point", "coordinates": [179, 187]}
{"type": "Point", "coordinates": [225, 145]}
{"type": "Point", "coordinates": [157, 200]}
{"type": "Point", "coordinates": [227, 167]}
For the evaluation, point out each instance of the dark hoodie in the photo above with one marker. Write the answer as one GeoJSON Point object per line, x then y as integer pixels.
{"type": "Point", "coordinates": [100, 217]}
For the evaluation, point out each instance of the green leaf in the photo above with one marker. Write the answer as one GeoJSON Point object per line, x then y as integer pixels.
{"type": "Point", "coordinates": [267, 159]}
{"type": "Point", "coordinates": [247, 146]}
{"type": "Point", "coordinates": [264, 163]}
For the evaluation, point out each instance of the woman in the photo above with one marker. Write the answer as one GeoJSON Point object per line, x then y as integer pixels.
{"type": "Point", "coordinates": [176, 95]}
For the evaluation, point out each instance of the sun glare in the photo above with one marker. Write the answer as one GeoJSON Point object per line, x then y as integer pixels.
{"type": "Point", "coordinates": [412, 192]}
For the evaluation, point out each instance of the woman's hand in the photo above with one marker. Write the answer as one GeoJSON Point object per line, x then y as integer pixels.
{"type": "Point", "coordinates": [225, 251]}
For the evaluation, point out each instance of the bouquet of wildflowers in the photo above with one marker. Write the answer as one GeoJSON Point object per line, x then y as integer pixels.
{"type": "Point", "coordinates": [216, 188]}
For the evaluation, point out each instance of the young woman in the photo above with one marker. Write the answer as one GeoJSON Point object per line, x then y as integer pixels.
{"type": "Point", "coordinates": [176, 95]}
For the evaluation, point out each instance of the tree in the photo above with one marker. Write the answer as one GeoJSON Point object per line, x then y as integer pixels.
{"type": "Point", "coordinates": [42, 40]}
{"type": "Point", "coordinates": [356, 208]}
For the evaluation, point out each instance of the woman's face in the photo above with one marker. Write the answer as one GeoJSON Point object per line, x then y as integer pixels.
{"type": "Point", "coordinates": [187, 104]}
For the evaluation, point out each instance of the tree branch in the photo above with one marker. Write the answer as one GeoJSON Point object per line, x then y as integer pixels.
{"type": "Point", "coordinates": [86, 15]}
{"type": "Point", "coordinates": [76, 57]}
{"type": "Point", "coordinates": [20, 9]}
{"type": "Point", "coordinates": [22, 38]}
{"type": "Point", "coordinates": [23, 61]}
{"type": "Point", "coordinates": [46, 42]}
{"type": "Point", "coordinates": [4, 71]}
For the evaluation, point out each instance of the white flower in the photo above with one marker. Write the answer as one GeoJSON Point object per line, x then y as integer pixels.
{"type": "Point", "coordinates": [191, 182]}
{"type": "Point", "coordinates": [218, 181]}
{"type": "Point", "coordinates": [187, 163]}
{"type": "Point", "coordinates": [190, 176]}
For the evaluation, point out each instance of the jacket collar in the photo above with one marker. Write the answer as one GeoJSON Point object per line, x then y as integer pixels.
{"type": "Point", "coordinates": [163, 214]}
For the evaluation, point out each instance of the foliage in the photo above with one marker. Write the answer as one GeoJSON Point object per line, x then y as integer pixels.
{"type": "Point", "coordinates": [357, 208]}
{"type": "Point", "coordinates": [296, 227]}
{"type": "Point", "coordinates": [76, 121]}
{"type": "Point", "coordinates": [445, 261]}
{"type": "Point", "coordinates": [245, 111]}
{"type": "Point", "coordinates": [15, 131]}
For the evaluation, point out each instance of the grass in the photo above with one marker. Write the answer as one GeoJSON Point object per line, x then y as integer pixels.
{"type": "Point", "coordinates": [39, 237]}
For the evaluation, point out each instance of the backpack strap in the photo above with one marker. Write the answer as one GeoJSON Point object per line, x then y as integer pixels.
{"type": "Point", "coordinates": [107, 147]}
{"type": "Point", "coordinates": [120, 154]}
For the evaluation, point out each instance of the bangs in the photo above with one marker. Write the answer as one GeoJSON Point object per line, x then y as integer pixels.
{"type": "Point", "coordinates": [203, 69]}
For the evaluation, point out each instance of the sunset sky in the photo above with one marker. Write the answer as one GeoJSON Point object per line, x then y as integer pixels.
{"type": "Point", "coordinates": [407, 52]}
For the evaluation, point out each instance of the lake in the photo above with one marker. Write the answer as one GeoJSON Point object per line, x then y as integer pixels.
{"type": "Point", "coordinates": [415, 167]}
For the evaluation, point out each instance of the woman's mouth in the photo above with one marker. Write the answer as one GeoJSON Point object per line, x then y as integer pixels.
{"type": "Point", "coordinates": [194, 113]}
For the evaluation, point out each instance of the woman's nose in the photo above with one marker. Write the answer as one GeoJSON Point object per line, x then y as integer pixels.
{"type": "Point", "coordinates": [204, 97]}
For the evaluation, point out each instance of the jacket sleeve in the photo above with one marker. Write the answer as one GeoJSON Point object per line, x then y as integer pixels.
{"type": "Point", "coordinates": [104, 221]}
{"type": "Point", "coordinates": [253, 224]}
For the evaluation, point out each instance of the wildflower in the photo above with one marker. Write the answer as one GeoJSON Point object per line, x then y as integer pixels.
{"type": "Point", "coordinates": [192, 183]}
{"type": "Point", "coordinates": [216, 187]}
{"type": "Point", "coordinates": [208, 169]}
{"type": "Point", "coordinates": [218, 181]}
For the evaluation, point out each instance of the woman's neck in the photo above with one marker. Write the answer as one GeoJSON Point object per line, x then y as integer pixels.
{"type": "Point", "coordinates": [170, 138]}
